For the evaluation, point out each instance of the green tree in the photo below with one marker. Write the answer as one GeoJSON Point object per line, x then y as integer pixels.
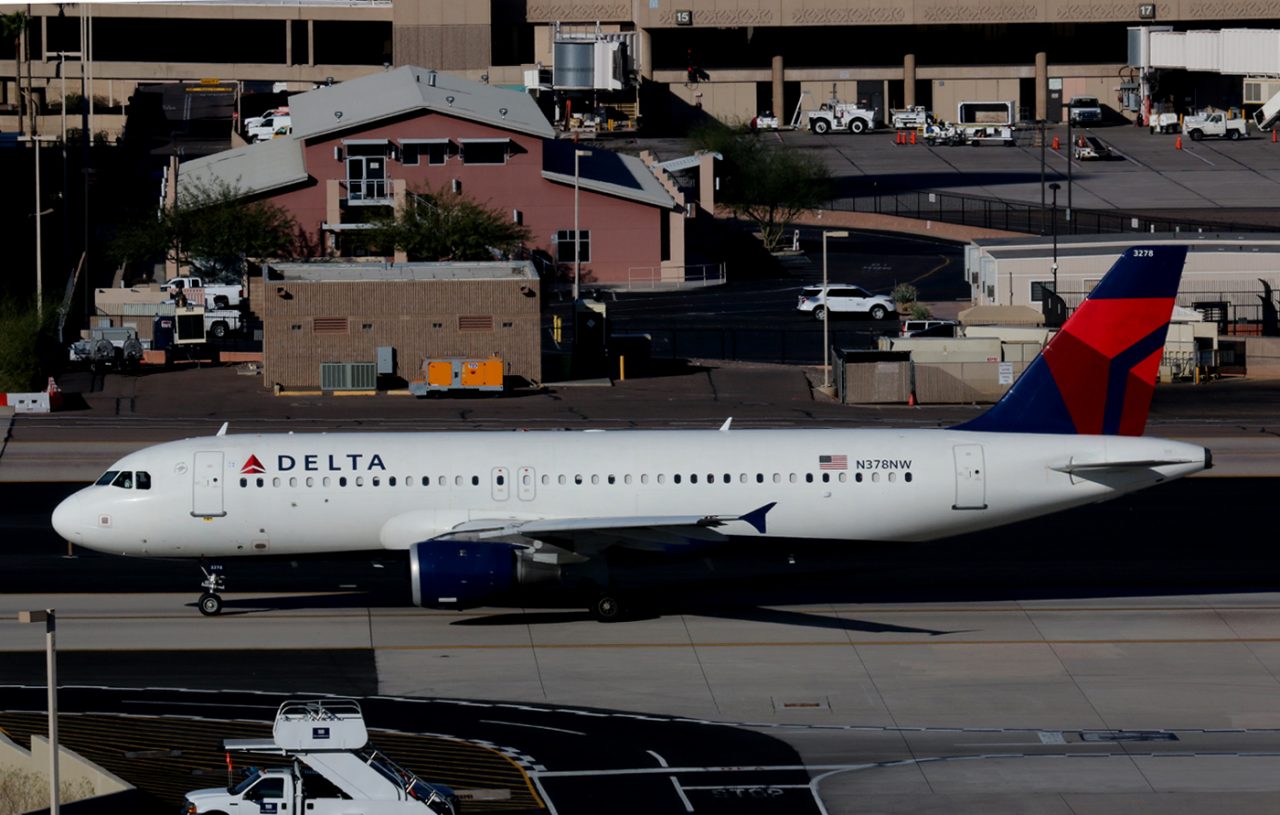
{"type": "Point", "coordinates": [769, 185]}
{"type": "Point", "coordinates": [12, 27]}
{"type": "Point", "coordinates": [447, 226]}
{"type": "Point", "coordinates": [904, 294]}
{"type": "Point", "coordinates": [212, 229]}
{"type": "Point", "coordinates": [23, 328]}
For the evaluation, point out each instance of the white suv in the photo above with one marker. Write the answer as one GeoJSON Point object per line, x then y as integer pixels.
{"type": "Point", "coordinates": [845, 300]}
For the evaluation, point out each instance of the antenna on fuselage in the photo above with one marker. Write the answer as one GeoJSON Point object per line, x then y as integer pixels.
{"type": "Point", "coordinates": [222, 431]}
{"type": "Point", "coordinates": [724, 428]}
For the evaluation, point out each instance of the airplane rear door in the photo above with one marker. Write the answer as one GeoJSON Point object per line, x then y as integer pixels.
{"type": "Point", "coordinates": [971, 483]}
{"type": "Point", "coordinates": [206, 492]}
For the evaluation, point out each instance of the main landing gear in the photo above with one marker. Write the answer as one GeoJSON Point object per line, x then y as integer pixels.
{"type": "Point", "coordinates": [210, 603]}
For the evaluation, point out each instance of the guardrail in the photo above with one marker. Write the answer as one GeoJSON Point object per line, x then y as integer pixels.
{"type": "Point", "coordinates": [666, 277]}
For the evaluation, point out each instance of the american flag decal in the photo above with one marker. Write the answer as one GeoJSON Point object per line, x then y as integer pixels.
{"type": "Point", "coordinates": [833, 462]}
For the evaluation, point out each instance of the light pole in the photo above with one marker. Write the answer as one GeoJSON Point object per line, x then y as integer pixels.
{"type": "Point", "coordinates": [826, 312]}
{"type": "Point", "coordinates": [1055, 186]}
{"type": "Point", "coordinates": [39, 216]}
{"type": "Point", "coordinates": [1040, 123]}
{"type": "Point", "coordinates": [47, 617]}
{"type": "Point", "coordinates": [577, 244]}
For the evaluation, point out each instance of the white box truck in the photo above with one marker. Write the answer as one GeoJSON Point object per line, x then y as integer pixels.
{"type": "Point", "coordinates": [1267, 116]}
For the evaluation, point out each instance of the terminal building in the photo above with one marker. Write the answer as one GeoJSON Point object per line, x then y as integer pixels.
{"type": "Point", "coordinates": [658, 60]}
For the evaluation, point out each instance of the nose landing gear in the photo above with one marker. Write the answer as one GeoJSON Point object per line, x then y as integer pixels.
{"type": "Point", "coordinates": [210, 603]}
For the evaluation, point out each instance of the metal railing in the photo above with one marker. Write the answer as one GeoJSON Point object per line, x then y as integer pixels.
{"type": "Point", "coordinates": [1018, 216]}
{"type": "Point", "coordinates": [668, 277]}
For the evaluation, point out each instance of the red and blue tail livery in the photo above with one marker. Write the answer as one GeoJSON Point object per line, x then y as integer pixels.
{"type": "Point", "coordinates": [1097, 375]}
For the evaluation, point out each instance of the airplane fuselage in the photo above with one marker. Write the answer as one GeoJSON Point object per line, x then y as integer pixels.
{"type": "Point", "coordinates": [315, 493]}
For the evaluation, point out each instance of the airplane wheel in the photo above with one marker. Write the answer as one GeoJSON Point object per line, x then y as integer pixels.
{"type": "Point", "coordinates": [210, 604]}
{"type": "Point", "coordinates": [606, 608]}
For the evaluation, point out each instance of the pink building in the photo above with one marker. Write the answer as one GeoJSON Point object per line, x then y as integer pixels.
{"type": "Point", "coordinates": [361, 146]}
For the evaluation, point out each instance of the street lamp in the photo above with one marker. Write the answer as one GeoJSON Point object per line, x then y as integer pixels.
{"type": "Point", "coordinates": [47, 617]}
{"type": "Point", "coordinates": [1055, 186]}
{"type": "Point", "coordinates": [39, 216]}
{"type": "Point", "coordinates": [826, 312]}
{"type": "Point", "coordinates": [577, 248]}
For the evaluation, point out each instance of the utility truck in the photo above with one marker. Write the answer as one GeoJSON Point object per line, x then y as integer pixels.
{"type": "Point", "coordinates": [1214, 124]}
{"type": "Point", "coordinates": [834, 116]}
{"type": "Point", "coordinates": [915, 117]}
{"type": "Point", "coordinates": [333, 771]}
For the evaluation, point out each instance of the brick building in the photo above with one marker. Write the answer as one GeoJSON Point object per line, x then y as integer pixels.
{"type": "Point", "coordinates": [320, 315]}
{"type": "Point", "coordinates": [360, 147]}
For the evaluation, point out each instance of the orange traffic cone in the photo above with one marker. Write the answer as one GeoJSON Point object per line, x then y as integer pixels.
{"type": "Point", "coordinates": [1177, 145]}
{"type": "Point", "coordinates": [1273, 136]}
{"type": "Point", "coordinates": [1056, 144]}
{"type": "Point", "coordinates": [911, 399]}
{"type": "Point", "coordinates": [913, 136]}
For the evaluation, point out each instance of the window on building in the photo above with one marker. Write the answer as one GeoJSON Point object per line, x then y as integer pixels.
{"type": "Point", "coordinates": [433, 152]}
{"type": "Point", "coordinates": [485, 151]}
{"type": "Point", "coordinates": [1038, 288]}
{"type": "Point", "coordinates": [564, 246]}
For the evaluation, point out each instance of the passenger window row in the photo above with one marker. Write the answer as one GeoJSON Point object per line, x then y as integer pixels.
{"type": "Point", "coordinates": [577, 479]}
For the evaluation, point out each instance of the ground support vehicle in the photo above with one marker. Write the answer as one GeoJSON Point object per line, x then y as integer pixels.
{"type": "Point", "coordinates": [198, 291]}
{"type": "Point", "coordinates": [941, 133]}
{"type": "Point", "coordinates": [1268, 116]}
{"type": "Point", "coordinates": [991, 134]}
{"type": "Point", "coordinates": [108, 348]}
{"type": "Point", "coordinates": [1164, 123]}
{"type": "Point", "coordinates": [333, 772]}
{"type": "Point", "coordinates": [1089, 148]}
{"type": "Point", "coordinates": [269, 127]}
{"type": "Point", "coordinates": [1214, 124]}
{"type": "Point", "coordinates": [915, 117]}
{"type": "Point", "coordinates": [839, 117]}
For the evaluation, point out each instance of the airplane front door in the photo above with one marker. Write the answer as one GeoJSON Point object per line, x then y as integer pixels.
{"type": "Point", "coordinates": [971, 480]}
{"type": "Point", "coordinates": [206, 491]}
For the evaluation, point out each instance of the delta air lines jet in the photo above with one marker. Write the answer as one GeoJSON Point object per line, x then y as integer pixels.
{"type": "Point", "coordinates": [478, 513]}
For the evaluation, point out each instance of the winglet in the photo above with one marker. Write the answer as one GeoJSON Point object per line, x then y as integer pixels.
{"type": "Point", "coordinates": [756, 516]}
{"type": "Point", "coordinates": [724, 428]}
{"type": "Point", "coordinates": [222, 431]}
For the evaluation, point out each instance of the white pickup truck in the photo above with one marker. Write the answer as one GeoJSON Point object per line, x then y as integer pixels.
{"type": "Point", "coordinates": [1214, 124]}
{"type": "Point", "coordinates": [214, 295]}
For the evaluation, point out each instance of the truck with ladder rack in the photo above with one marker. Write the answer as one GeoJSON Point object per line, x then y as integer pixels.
{"type": "Point", "coordinates": [333, 771]}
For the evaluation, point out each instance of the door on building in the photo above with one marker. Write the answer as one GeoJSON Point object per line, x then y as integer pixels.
{"type": "Point", "coordinates": [366, 178]}
{"type": "Point", "coordinates": [206, 492]}
{"type": "Point", "coordinates": [1053, 111]}
{"type": "Point", "coordinates": [971, 483]}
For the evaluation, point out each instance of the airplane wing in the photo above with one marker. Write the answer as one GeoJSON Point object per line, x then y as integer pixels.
{"type": "Point", "coordinates": [589, 535]}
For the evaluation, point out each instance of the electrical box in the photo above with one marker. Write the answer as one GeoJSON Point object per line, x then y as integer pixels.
{"type": "Point", "coordinates": [386, 359]}
{"type": "Point", "coordinates": [188, 325]}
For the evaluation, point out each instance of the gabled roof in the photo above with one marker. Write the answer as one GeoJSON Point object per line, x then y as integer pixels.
{"type": "Point", "coordinates": [382, 95]}
{"type": "Point", "coordinates": [252, 169]}
{"type": "Point", "coordinates": [606, 172]}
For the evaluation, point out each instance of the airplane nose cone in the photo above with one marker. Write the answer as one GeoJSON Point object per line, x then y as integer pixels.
{"type": "Point", "coordinates": [66, 518]}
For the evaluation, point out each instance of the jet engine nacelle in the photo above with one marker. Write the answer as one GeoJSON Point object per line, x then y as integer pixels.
{"type": "Point", "coordinates": [467, 573]}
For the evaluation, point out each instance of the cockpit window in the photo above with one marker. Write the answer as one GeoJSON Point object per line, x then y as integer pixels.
{"type": "Point", "coordinates": [143, 480]}
{"type": "Point", "coordinates": [107, 478]}
{"type": "Point", "coordinates": [124, 480]}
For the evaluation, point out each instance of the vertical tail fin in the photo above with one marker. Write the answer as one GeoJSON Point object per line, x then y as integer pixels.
{"type": "Point", "coordinates": [1097, 375]}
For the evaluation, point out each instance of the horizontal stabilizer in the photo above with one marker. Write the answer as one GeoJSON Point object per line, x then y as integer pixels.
{"type": "Point", "coordinates": [756, 516]}
{"type": "Point", "coordinates": [1103, 466]}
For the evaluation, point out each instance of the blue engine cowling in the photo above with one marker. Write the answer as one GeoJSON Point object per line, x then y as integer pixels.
{"type": "Point", "coordinates": [460, 573]}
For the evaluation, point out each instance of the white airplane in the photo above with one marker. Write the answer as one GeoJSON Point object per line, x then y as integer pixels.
{"type": "Point", "coordinates": [479, 513]}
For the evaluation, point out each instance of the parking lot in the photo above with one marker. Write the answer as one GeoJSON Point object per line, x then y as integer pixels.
{"type": "Point", "coordinates": [1148, 174]}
